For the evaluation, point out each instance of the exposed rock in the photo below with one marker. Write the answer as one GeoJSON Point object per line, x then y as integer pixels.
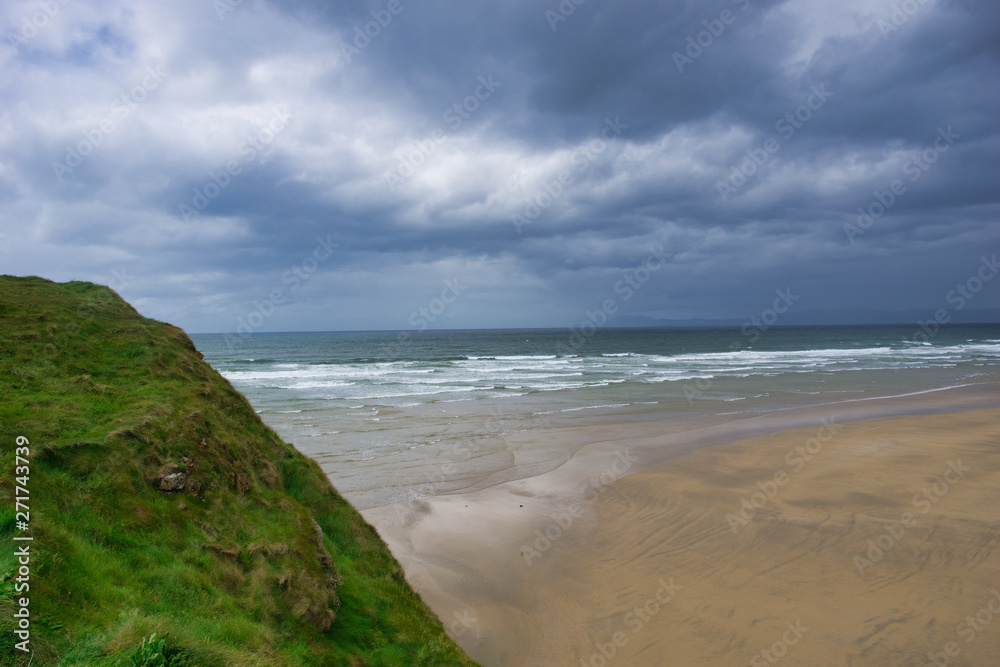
{"type": "Point", "coordinates": [173, 483]}
{"type": "Point", "coordinates": [170, 479]}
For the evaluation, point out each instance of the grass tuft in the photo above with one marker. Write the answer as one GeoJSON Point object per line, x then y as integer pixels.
{"type": "Point", "coordinates": [171, 525]}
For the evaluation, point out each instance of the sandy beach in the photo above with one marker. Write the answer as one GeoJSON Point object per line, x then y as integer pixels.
{"type": "Point", "coordinates": [859, 533]}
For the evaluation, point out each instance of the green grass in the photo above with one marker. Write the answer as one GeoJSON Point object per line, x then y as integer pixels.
{"type": "Point", "coordinates": [230, 571]}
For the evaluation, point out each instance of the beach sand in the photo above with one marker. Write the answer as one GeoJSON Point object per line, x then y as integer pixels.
{"type": "Point", "coordinates": [843, 542]}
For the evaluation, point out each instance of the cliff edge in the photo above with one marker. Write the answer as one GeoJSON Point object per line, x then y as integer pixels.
{"type": "Point", "coordinates": [158, 502]}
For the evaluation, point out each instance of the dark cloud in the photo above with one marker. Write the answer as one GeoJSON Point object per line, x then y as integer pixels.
{"type": "Point", "coordinates": [533, 155]}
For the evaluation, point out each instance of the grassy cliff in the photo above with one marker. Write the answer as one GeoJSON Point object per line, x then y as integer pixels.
{"type": "Point", "coordinates": [160, 503]}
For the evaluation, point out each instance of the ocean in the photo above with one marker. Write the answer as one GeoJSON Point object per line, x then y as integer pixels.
{"type": "Point", "coordinates": [384, 412]}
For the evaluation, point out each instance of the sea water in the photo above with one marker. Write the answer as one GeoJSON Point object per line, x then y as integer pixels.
{"type": "Point", "coordinates": [384, 412]}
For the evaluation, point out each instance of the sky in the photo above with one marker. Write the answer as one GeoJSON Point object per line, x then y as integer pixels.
{"type": "Point", "coordinates": [245, 165]}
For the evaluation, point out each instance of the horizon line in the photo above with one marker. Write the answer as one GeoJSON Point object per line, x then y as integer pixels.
{"type": "Point", "coordinates": [662, 327]}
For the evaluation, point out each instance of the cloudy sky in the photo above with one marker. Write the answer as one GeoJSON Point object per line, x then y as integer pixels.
{"type": "Point", "coordinates": [339, 166]}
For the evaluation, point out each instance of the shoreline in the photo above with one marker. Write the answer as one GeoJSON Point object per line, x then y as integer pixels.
{"type": "Point", "coordinates": [382, 428]}
{"type": "Point", "coordinates": [483, 559]}
{"type": "Point", "coordinates": [533, 452]}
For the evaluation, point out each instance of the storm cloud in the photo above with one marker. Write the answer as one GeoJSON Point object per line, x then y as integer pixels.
{"type": "Point", "coordinates": [322, 166]}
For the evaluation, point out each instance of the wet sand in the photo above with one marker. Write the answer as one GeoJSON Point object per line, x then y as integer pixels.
{"type": "Point", "coordinates": [821, 540]}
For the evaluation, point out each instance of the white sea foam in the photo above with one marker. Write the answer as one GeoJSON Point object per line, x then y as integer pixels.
{"type": "Point", "coordinates": [485, 376]}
